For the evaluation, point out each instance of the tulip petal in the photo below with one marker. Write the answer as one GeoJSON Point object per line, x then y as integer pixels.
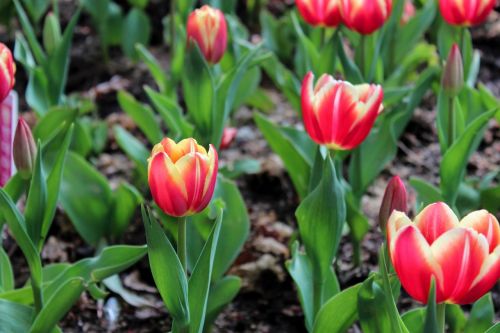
{"type": "Point", "coordinates": [487, 278]}
{"type": "Point", "coordinates": [484, 223]}
{"type": "Point", "coordinates": [397, 221]}
{"type": "Point", "coordinates": [167, 185]}
{"type": "Point", "coordinates": [434, 220]}
{"type": "Point", "coordinates": [460, 252]}
{"type": "Point", "coordinates": [193, 168]}
{"type": "Point", "coordinates": [414, 263]}
{"type": "Point", "coordinates": [211, 179]}
{"type": "Point", "coordinates": [308, 114]}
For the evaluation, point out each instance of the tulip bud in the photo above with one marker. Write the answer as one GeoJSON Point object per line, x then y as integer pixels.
{"type": "Point", "coordinates": [365, 16]}
{"type": "Point", "coordinates": [24, 149]}
{"type": "Point", "coordinates": [453, 74]}
{"type": "Point", "coordinates": [7, 72]}
{"type": "Point", "coordinates": [182, 176]}
{"type": "Point", "coordinates": [465, 12]}
{"type": "Point", "coordinates": [394, 199]}
{"type": "Point", "coordinates": [207, 27]}
{"type": "Point", "coordinates": [338, 114]}
{"type": "Point", "coordinates": [51, 33]}
{"type": "Point", "coordinates": [320, 12]}
{"type": "Point", "coordinates": [228, 136]}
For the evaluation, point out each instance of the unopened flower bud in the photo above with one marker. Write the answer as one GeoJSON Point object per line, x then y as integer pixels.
{"type": "Point", "coordinates": [394, 199]}
{"type": "Point", "coordinates": [228, 136]}
{"type": "Point", "coordinates": [24, 149]}
{"type": "Point", "coordinates": [453, 73]}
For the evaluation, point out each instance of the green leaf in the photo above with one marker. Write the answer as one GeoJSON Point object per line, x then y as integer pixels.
{"type": "Point", "coordinates": [295, 159]}
{"type": "Point", "coordinates": [142, 115]}
{"type": "Point", "coordinates": [372, 311]}
{"type": "Point", "coordinates": [321, 216]}
{"type": "Point", "coordinates": [29, 32]}
{"type": "Point", "coordinates": [351, 71]}
{"type": "Point", "coordinates": [134, 149]}
{"type": "Point", "coordinates": [494, 329]}
{"type": "Point", "coordinates": [54, 185]}
{"type": "Point", "coordinates": [308, 49]}
{"type": "Point", "coordinates": [452, 168]}
{"type": "Point", "coordinates": [136, 30]}
{"type": "Point", "coordinates": [154, 67]}
{"type": "Point", "coordinates": [57, 119]}
{"type": "Point", "coordinates": [126, 200]}
{"type": "Point", "coordinates": [14, 317]}
{"type": "Point", "coordinates": [300, 268]}
{"type": "Point", "coordinates": [481, 316]}
{"type": "Point", "coordinates": [426, 192]}
{"type": "Point", "coordinates": [17, 226]}
{"type": "Point", "coordinates": [198, 87]}
{"type": "Point", "coordinates": [58, 305]}
{"type": "Point", "coordinates": [199, 282]}
{"type": "Point", "coordinates": [431, 313]}
{"type": "Point", "coordinates": [37, 92]}
{"type": "Point", "coordinates": [167, 271]}
{"type": "Point", "coordinates": [455, 318]}
{"type": "Point", "coordinates": [235, 222]}
{"type": "Point", "coordinates": [112, 260]}
{"type": "Point", "coordinates": [37, 200]}
{"type": "Point", "coordinates": [6, 273]}
{"type": "Point", "coordinates": [226, 93]}
{"type": "Point", "coordinates": [222, 293]}
{"type": "Point", "coordinates": [414, 320]}
{"type": "Point", "coordinates": [86, 197]}
{"type": "Point", "coordinates": [172, 115]}
{"type": "Point", "coordinates": [57, 65]}
{"type": "Point", "coordinates": [339, 313]}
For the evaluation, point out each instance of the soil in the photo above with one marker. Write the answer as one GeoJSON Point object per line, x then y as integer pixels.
{"type": "Point", "coordinates": [267, 301]}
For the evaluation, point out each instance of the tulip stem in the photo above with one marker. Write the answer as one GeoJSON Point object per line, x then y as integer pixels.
{"type": "Point", "coordinates": [181, 243]}
{"type": "Point", "coordinates": [440, 314]}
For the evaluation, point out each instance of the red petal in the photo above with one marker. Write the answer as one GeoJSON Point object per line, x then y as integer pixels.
{"type": "Point", "coordinates": [434, 220]}
{"type": "Point", "coordinates": [487, 278]}
{"type": "Point", "coordinates": [460, 252]}
{"type": "Point", "coordinates": [486, 224]}
{"type": "Point", "coordinates": [167, 187]}
{"type": "Point", "coordinates": [413, 261]}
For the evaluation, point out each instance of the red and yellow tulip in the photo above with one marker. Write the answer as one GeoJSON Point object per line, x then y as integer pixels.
{"type": "Point", "coordinates": [465, 12]}
{"type": "Point", "coordinates": [207, 27]}
{"type": "Point", "coordinates": [320, 12]}
{"type": "Point", "coordinates": [228, 136]}
{"type": "Point", "coordinates": [463, 257]}
{"type": "Point", "coordinates": [7, 72]}
{"type": "Point", "coordinates": [365, 16]}
{"type": "Point", "coordinates": [338, 114]}
{"type": "Point", "coordinates": [182, 176]}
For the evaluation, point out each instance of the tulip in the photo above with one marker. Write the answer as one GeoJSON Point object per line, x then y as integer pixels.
{"type": "Point", "coordinates": [338, 114]}
{"type": "Point", "coordinates": [207, 27]}
{"type": "Point", "coordinates": [462, 257]}
{"type": "Point", "coordinates": [394, 199]}
{"type": "Point", "coordinates": [24, 149]}
{"type": "Point", "coordinates": [453, 74]}
{"type": "Point", "coordinates": [408, 12]}
{"type": "Point", "coordinates": [320, 12]}
{"type": "Point", "coordinates": [365, 16]}
{"type": "Point", "coordinates": [8, 70]}
{"type": "Point", "coordinates": [8, 120]}
{"type": "Point", "coordinates": [228, 136]}
{"type": "Point", "coordinates": [465, 12]}
{"type": "Point", "coordinates": [182, 176]}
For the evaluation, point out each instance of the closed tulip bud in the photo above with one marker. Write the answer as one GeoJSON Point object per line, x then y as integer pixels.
{"type": "Point", "coordinates": [207, 27]}
{"type": "Point", "coordinates": [7, 72]}
{"type": "Point", "coordinates": [453, 74]}
{"type": "Point", "coordinates": [394, 199]}
{"type": "Point", "coordinates": [228, 136]}
{"type": "Point", "coordinates": [182, 176]}
{"type": "Point", "coordinates": [465, 12]}
{"type": "Point", "coordinates": [338, 114]}
{"type": "Point", "coordinates": [365, 16]}
{"type": "Point", "coordinates": [320, 12]}
{"type": "Point", "coordinates": [24, 149]}
{"type": "Point", "coordinates": [462, 257]}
